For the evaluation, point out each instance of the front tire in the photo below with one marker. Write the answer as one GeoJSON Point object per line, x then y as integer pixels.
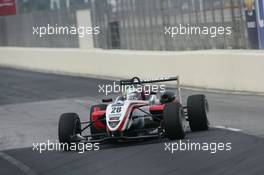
{"type": "Point", "coordinates": [197, 108]}
{"type": "Point", "coordinates": [174, 121]}
{"type": "Point", "coordinates": [69, 125]}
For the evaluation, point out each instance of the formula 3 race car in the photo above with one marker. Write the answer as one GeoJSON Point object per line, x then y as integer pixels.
{"type": "Point", "coordinates": [137, 115]}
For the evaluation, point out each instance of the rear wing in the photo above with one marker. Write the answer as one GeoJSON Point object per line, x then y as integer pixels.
{"type": "Point", "coordinates": [137, 81]}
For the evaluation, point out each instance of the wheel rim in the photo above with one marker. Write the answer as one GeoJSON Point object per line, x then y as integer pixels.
{"type": "Point", "coordinates": [183, 120]}
{"type": "Point", "coordinates": [77, 129]}
{"type": "Point", "coordinates": [206, 105]}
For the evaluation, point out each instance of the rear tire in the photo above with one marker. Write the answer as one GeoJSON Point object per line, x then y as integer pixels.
{"type": "Point", "coordinates": [93, 130]}
{"type": "Point", "coordinates": [69, 125]}
{"type": "Point", "coordinates": [174, 121]}
{"type": "Point", "coordinates": [197, 108]}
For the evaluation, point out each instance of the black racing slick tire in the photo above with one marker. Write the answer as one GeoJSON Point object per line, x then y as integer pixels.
{"type": "Point", "coordinates": [197, 109]}
{"type": "Point", "coordinates": [69, 126]}
{"type": "Point", "coordinates": [174, 121]}
{"type": "Point", "coordinates": [93, 130]}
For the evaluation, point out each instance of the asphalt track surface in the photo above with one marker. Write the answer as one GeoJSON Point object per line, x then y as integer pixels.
{"type": "Point", "coordinates": [30, 104]}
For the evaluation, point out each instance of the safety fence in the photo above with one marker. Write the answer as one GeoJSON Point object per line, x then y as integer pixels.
{"type": "Point", "coordinates": [139, 25]}
{"type": "Point", "coordinates": [135, 25]}
{"type": "Point", "coordinates": [18, 30]}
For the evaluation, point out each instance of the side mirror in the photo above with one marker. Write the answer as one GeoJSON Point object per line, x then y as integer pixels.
{"type": "Point", "coordinates": [108, 100]}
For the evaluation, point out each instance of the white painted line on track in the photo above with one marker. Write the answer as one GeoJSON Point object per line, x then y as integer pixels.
{"type": "Point", "coordinates": [228, 128]}
{"type": "Point", "coordinates": [24, 168]}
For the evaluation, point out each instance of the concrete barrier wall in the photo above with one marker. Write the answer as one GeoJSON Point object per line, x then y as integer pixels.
{"type": "Point", "coordinates": [228, 70]}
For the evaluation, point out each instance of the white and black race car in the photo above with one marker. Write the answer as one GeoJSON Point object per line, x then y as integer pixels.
{"type": "Point", "coordinates": [137, 115]}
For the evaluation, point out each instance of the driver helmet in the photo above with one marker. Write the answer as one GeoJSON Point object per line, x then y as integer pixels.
{"type": "Point", "coordinates": [131, 93]}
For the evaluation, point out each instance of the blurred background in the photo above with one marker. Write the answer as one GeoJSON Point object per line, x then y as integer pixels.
{"type": "Point", "coordinates": [133, 24]}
